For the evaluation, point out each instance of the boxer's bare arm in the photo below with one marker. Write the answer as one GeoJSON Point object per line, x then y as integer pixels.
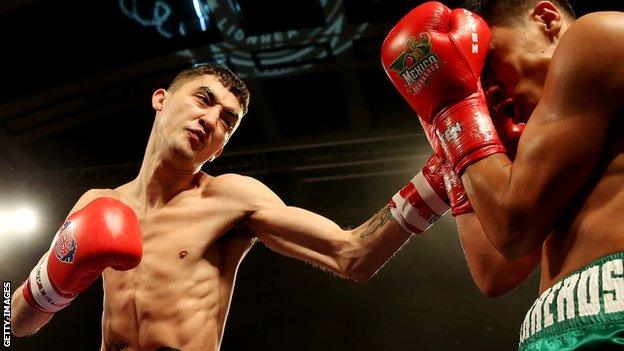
{"type": "Point", "coordinates": [356, 254]}
{"type": "Point", "coordinates": [26, 320]}
{"type": "Point", "coordinates": [493, 274]}
{"type": "Point", "coordinates": [518, 203]}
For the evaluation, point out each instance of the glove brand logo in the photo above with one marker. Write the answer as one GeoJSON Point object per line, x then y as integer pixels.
{"type": "Point", "coordinates": [416, 64]}
{"type": "Point", "coordinates": [452, 132]}
{"type": "Point", "coordinates": [65, 245]}
{"type": "Point", "coordinates": [474, 35]}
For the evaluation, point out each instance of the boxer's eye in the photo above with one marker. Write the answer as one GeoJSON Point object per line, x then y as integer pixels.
{"type": "Point", "coordinates": [206, 96]}
{"type": "Point", "coordinates": [230, 119]}
{"type": "Point", "coordinates": [206, 99]}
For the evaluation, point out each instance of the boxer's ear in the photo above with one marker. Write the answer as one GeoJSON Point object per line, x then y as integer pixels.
{"type": "Point", "coordinates": [158, 97]}
{"type": "Point", "coordinates": [549, 18]}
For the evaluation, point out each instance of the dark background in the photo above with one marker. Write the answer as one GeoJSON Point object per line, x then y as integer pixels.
{"type": "Point", "coordinates": [326, 131]}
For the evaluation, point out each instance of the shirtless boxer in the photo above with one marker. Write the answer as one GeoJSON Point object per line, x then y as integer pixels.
{"type": "Point", "coordinates": [560, 199]}
{"type": "Point", "coordinates": [195, 230]}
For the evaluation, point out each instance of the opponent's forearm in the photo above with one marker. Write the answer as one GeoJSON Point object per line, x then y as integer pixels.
{"type": "Point", "coordinates": [24, 319]}
{"type": "Point", "coordinates": [493, 274]}
{"type": "Point", "coordinates": [505, 213]}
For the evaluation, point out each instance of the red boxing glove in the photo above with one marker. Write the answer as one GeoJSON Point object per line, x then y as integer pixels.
{"type": "Point", "coordinates": [456, 192]}
{"type": "Point", "coordinates": [423, 200]}
{"type": "Point", "coordinates": [508, 129]}
{"type": "Point", "coordinates": [105, 233]}
{"type": "Point", "coordinates": [434, 57]}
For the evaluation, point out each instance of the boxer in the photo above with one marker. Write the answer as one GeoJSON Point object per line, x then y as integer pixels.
{"type": "Point", "coordinates": [559, 197]}
{"type": "Point", "coordinates": [175, 236]}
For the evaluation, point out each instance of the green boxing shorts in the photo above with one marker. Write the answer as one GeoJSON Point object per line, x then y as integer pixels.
{"type": "Point", "coordinates": [583, 311]}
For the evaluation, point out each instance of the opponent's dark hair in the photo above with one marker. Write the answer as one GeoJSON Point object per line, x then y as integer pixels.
{"type": "Point", "coordinates": [226, 77]}
{"type": "Point", "coordinates": [510, 12]}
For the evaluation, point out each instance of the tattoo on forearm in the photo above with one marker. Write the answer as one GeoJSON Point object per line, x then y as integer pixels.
{"type": "Point", "coordinates": [377, 222]}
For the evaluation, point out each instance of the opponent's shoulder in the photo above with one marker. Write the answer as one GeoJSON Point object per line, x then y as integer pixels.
{"type": "Point", "coordinates": [594, 41]}
{"type": "Point", "coordinates": [601, 21]}
{"type": "Point", "coordinates": [589, 54]}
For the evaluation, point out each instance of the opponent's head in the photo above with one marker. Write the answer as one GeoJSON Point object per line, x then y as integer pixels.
{"type": "Point", "coordinates": [199, 111]}
{"type": "Point", "coordinates": [524, 34]}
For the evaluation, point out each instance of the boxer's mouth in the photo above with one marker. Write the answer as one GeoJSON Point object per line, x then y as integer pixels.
{"type": "Point", "coordinates": [200, 134]}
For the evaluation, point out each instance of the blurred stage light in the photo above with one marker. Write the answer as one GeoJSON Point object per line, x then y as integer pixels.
{"type": "Point", "coordinates": [18, 221]}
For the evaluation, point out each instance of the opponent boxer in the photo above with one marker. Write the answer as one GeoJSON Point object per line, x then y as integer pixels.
{"type": "Point", "coordinates": [197, 228]}
{"type": "Point", "coordinates": [561, 198]}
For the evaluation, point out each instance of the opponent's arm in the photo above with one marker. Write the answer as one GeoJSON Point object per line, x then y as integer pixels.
{"type": "Point", "coordinates": [493, 274]}
{"type": "Point", "coordinates": [518, 203]}
{"type": "Point", "coordinates": [434, 56]}
{"type": "Point", "coordinates": [98, 233]}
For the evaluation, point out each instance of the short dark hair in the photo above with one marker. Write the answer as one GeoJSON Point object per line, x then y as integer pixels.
{"type": "Point", "coordinates": [226, 77]}
{"type": "Point", "coordinates": [509, 12]}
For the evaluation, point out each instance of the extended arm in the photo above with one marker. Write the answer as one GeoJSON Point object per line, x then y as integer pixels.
{"type": "Point", "coordinates": [357, 253]}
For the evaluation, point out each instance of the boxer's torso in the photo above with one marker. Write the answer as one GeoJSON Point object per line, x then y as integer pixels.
{"type": "Point", "coordinates": [592, 226]}
{"type": "Point", "coordinates": [179, 295]}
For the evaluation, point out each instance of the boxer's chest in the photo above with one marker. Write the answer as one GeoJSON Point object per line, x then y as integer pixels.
{"type": "Point", "coordinates": [185, 226]}
{"type": "Point", "coordinates": [187, 240]}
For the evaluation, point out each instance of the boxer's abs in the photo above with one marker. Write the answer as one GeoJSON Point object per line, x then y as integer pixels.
{"type": "Point", "coordinates": [178, 297]}
{"type": "Point", "coordinates": [148, 309]}
{"type": "Point", "coordinates": [594, 227]}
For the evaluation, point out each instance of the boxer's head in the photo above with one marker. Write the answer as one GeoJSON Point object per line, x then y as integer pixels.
{"type": "Point", "coordinates": [199, 111]}
{"type": "Point", "coordinates": [524, 34]}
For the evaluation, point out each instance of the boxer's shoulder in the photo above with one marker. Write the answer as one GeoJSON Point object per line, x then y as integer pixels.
{"type": "Point", "coordinates": [97, 193]}
{"type": "Point", "coordinates": [587, 60]}
{"type": "Point", "coordinates": [604, 20]}
{"type": "Point", "coordinates": [598, 35]}
{"type": "Point", "coordinates": [246, 189]}
{"type": "Point", "coordinates": [231, 182]}
{"type": "Point", "coordinates": [93, 194]}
